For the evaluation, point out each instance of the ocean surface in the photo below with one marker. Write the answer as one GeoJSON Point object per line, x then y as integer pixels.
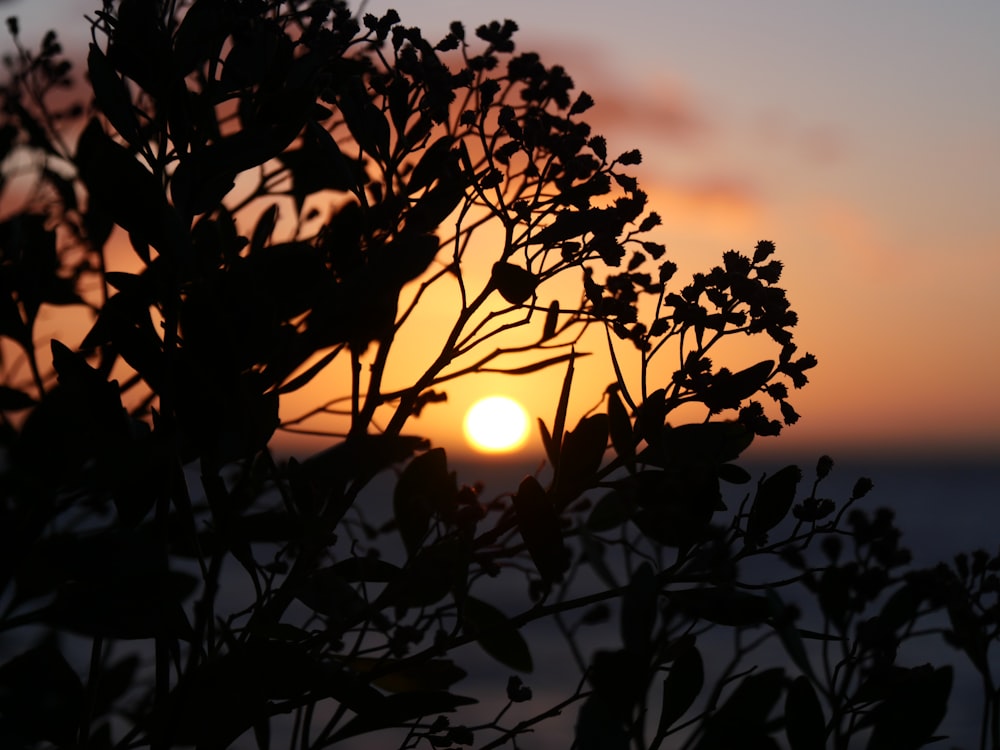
{"type": "Point", "coordinates": [943, 507]}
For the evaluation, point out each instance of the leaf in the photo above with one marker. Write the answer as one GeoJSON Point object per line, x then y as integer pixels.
{"type": "Point", "coordinates": [597, 727]}
{"type": "Point", "coordinates": [367, 569]}
{"type": "Point", "coordinates": [791, 637]}
{"type": "Point", "coordinates": [620, 679]}
{"type": "Point", "coordinates": [622, 437]}
{"type": "Point", "coordinates": [638, 615]}
{"type": "Point", "coordinates": [125, 608]}
{"type": "Point", "coordinates": [901, 608]}
{"type": "Point", "coordinates": [431, 165]}
{"type": "Point", "coordinates": [41, 697]}
{"type": "Point", "coordinates": [581, 457]}
{"type": "Point", "coordinates": [495, 634]}
{"type": "Point", "coordinates": [733, 474]}
{"type": "Point", "coordinates": [325, 592]}
{"type": "Point", "coordinates": [366, 122]}
{"type": "Point", "coordinates": [435, 205]}
{"type": "Point", "coordinates": [12, 399]}
{"type": "Point", "coordinates": [729, 390]}
{"type": "Point", "coordinates": [358, 456]}
{"type": "Point", "coordinates": [200, 35]}
{"type": "Point", "coordinates": [430, 575]}
{"type": "Point", "coordinates": [681, 687]}
{"type": "Point", "coordinates": [742, 721]}
{"type": "Point", "coordinates": [265, 226]}
{"type": "Point", "coordinates": [593, 551]}
{"type": "Point", "coordinates": [340, 172]}
{"type": "Point", "coordinates": [910, 714]}
{"type": "Point", "coordinates": [676, 506]}
{"type": "Point", "coordinates": [714, 443]}
{"type": "Point", "coordinates": [111, 95]}
{"type": "Point", "coordinates": [804, 722]}
{"type": "Point", "coordinates": [551, 321]}
{"type": "Point", "coordinates": [128, 192]}
{"type": "Point", "coordinates": [566, 226]}
{"type": "Point", "coordinates": [771, 504]}
{"type": "Point", "coordinates": [610, 512]}
{"type": "Point", "coordinates": [722, 606]}
{"type": "Point", "coordinates": [560, 419]}
{"type": "Point", "coordinates": [425, 487]}
{"type": "Point", "coordinates": [424, 676]}
{"type": "Point", "coordinates": [538, 522]}
{"type": "Point", "coordinates": [515, 284]}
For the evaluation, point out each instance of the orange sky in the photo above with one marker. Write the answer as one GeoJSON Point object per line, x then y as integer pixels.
{"type": "Point", "coordinates": [862, 140]}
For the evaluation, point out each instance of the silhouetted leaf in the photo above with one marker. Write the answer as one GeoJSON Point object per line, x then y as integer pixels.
{"type": "Point", "coordinates": [12, 399]}
{"type": "Point", "coordinates": [610, 512]}
{"type": "Point", "coordinates": [791, 637]}
{"type": "Point", "coordinates": [126, 608]}
{"type": "Point", "coordinates": [265, 226]}
{"type": "Point", "coordinates": [620, 679]}
{"type": "Point", "coordinates": [368, 569]}
{"type": "Point", "coordinates": [200, 35]}
{"type": "Point", "coordinates": [722, 606]}
{"type": "Point", "coordinates": [581, 456]}
{"type": "Point", "coordinates": [425, 487]}
{"type": "Point", "coordinates": [424, 676]}
{"type": "Point", "coordinates": [681, 687]}
{"type": "Point", "coordinates": [514, 283]}
{"type": "Point", "coordinates": [366, 122]}
{"type": "Point", "coordinates": [901, 608]}
{"type": "Point", "coordinates": [711, 442]}
{"type": "Point", "coordinates": [432, 164]}
{"type": "Point", "coordinates": [325, 592]}
{"type": "Point", "coordinates": [538, 522]}
{"type": "Point", "coordinates": [804, 722]}
{"type": "Point", "coordinates": [742, 721]}
{"type": "Point", "coordinates": [495, 634]}
{"type": "Point", "coordinates": [566, 226]}
{"type": "Point", "coordinates": [111, 95]}
{"type": "Point", "coordinates": [733, 474]}
{"type": "Point", "coordinates": [620, 428]}
{"type": "Point", "coordinates": [597, 727]}
{"type": "Point", "coordinates": [675, 507]}
{"type": "Point", "coordinates": [912, 711]}
{"type": "Point", "coordinates": [771, 504]}
{"type": "Point", "coordinates": [41, 697]}
{"type": "Point", "coordinates": [639, 610]}
{"type": "Point", "coordinates": [128, 192]}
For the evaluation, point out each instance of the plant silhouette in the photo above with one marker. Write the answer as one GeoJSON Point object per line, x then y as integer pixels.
{"type": "Point", "coordinates": [292, 185]}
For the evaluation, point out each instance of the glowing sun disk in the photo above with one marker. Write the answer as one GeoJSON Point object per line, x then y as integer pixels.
{"type": "Point", "coordinates": [496, 424]}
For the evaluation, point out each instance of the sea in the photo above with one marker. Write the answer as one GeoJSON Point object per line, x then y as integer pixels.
{"type": "Point", "coordinates": [942, 506]}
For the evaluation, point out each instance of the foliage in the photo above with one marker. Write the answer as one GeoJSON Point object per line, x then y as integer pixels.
{"type": "Point", "coordinates": [227, 596]}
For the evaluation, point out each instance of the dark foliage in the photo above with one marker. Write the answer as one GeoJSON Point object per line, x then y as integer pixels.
{"type": "Point", "coordinates": [291, 184]}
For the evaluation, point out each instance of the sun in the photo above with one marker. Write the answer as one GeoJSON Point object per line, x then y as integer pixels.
{"type": "Point", "coordinates": [496, 424]}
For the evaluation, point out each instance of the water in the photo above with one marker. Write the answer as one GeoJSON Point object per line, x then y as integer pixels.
{"type": "Point", "coordinates": [943, 507]}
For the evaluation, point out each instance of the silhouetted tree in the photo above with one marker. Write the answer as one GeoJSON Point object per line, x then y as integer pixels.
{"type": "Point", "coordinates": [292, 184]}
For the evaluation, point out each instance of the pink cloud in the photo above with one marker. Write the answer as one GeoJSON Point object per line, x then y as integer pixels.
{"type": "Point", "coordinates": [660, 104]}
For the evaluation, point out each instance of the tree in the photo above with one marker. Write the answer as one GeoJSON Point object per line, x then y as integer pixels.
{"type": "Point", "coordinates": [294, 184]}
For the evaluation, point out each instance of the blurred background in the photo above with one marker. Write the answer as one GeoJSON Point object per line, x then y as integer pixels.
{"type": "Point", "coordinates": [864, 140]}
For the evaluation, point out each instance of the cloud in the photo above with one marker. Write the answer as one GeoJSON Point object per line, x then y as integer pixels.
{"type": "Point", "coordinates": [657, 104]}
{"type": "Point", "coordinates": [814, 143]}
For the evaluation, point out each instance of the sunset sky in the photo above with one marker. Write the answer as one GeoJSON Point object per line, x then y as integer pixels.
{"type": "Point", "coordinates": [862, 138]}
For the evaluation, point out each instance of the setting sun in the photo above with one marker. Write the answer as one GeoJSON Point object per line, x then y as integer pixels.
{"type": "Point", "coordinates": [496, 424]}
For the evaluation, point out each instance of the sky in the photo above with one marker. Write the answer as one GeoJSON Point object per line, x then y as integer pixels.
{"type": "Point", "coordinates": [862, 138]}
